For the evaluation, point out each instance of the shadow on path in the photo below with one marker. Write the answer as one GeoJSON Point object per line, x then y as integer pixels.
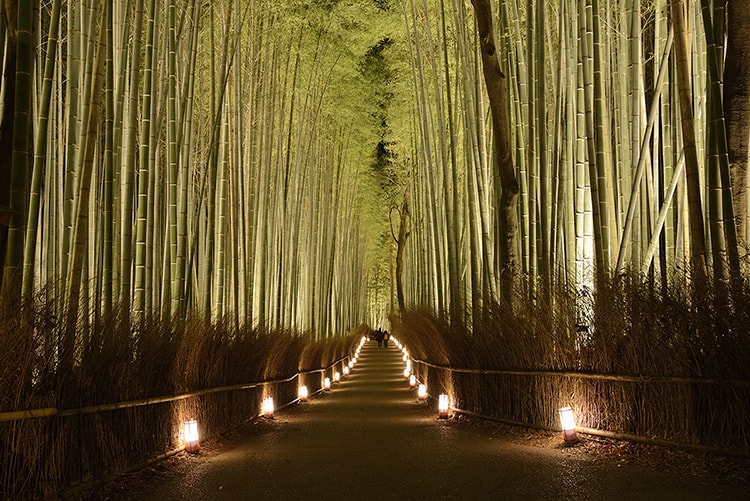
{"type": "Point", "coordinates": [370, 438]}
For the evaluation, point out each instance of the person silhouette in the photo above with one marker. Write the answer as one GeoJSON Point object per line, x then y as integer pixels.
{"type": "Point", "coordinates": [385, 339]}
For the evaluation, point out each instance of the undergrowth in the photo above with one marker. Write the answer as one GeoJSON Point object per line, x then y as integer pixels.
{"type": "Point", "coordinates": [115, 361]}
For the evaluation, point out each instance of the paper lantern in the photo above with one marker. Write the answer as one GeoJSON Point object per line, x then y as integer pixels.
{"type": "Point", "coordinates": [192, 444]}
{"type": "Point", "coordinates": [412, 381]}
{"type": "Point", "coordinates": [422, 392]}
{"type": "Point", "coordinates": [267, 408]}
{"type": "Point", "coordinates": [443, 406]}
{"type": "Point", "coordinates": [303, 393]}
{"type": "Point", "coordinates": [346, 370]}
{"type": "Point", "coordinates": [327, 384]}
{"type": "Point", "coordinates": [407, 372]}
{"type": "Point", "coordinates": [336, 377]}
{"type": "Point", "coordinates": [568, 424]}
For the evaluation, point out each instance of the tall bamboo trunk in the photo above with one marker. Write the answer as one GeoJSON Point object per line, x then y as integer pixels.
{"type": "Point", "coordinates": [684, 81]}
{"type": "Point", "coordinates": [505, 177]}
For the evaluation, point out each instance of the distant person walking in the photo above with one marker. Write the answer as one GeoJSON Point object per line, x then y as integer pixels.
{"type": "Point", "coordinates": [379, 338]}
{"type": "Point", "coordinates": [385, 339]}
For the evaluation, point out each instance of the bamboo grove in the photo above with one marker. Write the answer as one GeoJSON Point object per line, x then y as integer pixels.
{"type": "Point", "coordinates": [620, 113]}
{"type": "Point", "coordinates": [192, 158]}
{"type": "Point", "coordinates": [244, 159]}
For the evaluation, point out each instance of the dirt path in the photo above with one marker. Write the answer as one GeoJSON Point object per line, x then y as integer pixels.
{"type": "Point", "coordinates": [370, 439]}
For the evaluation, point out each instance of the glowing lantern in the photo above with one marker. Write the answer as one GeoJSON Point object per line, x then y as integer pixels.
{"type": "Point", "coordinates": [267, 408]}
{"type": "Point", "coordinates": [443, 406]}
{"type": "Point", "coordinates": [412, 381]}
{"type": "Point", "coordinates": [351, 364]}
{"type": "Point", "coordinates": [422, 392]}
{"type": "Point", "coordinates": [346, 370]}
{"type": "Point", "coordinates": [336, 377]}
{"type": "Point", "coordinates": [191, 436]}
{"type": "Point", "coordinates": [327, 384]}
{"type": "Point", "coordinates": [568, 423]}
{"type": "Point", "coordinates": [405, 357]}
{"type": "Point", "coordinates": [407, 372]}
{"type": "Point", "coordinates": [408, 365]}
{"type": "Point", "coordinates": [303, 394]}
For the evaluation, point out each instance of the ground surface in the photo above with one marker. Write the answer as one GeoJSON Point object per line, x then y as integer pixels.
{"type": "Point", "coordinates": [370, 438]}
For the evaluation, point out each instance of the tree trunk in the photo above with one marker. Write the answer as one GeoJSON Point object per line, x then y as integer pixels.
{"type": "Point", "coordinates": [21, 146]}
{"type": "Point", "coordinates": [684, 82]}
{"type": "Point", "coordinates": [506, 184]}
{"type": "Point", "coordinates": [404, 230]}
{"type": "Point", "coordinates": [737, 109]}
{"type": "Point", "coordinates": [10, 14]}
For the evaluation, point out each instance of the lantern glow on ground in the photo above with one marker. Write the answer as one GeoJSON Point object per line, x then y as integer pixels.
{"type": "Point", "coordinates": [192, 443]}
{"type": "Point", "coordinates": [568, 424]}
{"type": "Point", "coordinates": [443, 406]}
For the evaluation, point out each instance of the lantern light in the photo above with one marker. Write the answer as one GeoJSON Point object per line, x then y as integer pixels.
{"type": "Point", "coordinates": [405, 357]}
{"type": "Point", "coordinates": [422, 392]}
{"type": "Point", "coordinates": [407, 372]}
{"type": "Point", "coordinates": [336, 377]}
{"type": "Point", "coordinates": [346, 370]}
{"type": "Point", "coordinates": [408, 365]}
{"type": "Point", "coordinates": [267, 408]}
{"type": "Point", "coordinates": [568, 423]}
{"type": "Point", "coordinates": [412, 381]}
{"type": "Point", "coordinates": [192, 444]}
{"type": "Point", "coordinates": [443, 406]}
{"type": "Point", "coordinates": [303, 393]}
{"type": "Point", "coordinates": [351, 364]}
{"type": "Point", "coordinates": [327, 384]}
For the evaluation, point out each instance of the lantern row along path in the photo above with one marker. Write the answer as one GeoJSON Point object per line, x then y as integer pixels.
{"type": "Point", "coordinates": [370, 438]}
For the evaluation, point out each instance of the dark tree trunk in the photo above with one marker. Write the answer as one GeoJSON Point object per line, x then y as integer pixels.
{"type": "Point", "coordinates": [10, 17]}
{"type": "Point", "coordinates": [506, 184]}
{"type": "Point", "coordinates": [737, 109]}
{"type": "Point", "coordinates": [404, 230]}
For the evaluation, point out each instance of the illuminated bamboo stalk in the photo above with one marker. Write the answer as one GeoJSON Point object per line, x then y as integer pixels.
{"type": "Point", "coordinates": [142, 283]}
{"type": "Point", "coordinates": [32, 240]}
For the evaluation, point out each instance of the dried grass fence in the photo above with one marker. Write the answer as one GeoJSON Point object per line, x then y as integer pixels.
{"type": "Point", "coordinates": [124, 399]}
{"type": "Point", "coordinates": [650, 367]}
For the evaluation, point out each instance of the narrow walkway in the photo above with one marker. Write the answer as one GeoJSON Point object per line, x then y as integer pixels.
{"type": "Point", "coordinates": [369, 438]}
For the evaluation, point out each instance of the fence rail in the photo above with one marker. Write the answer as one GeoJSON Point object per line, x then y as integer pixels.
{"type": "Point", "coordinates": [53, 411]}
{"type": "Point", "coordinates": [739, 450]}
{"type": "Point", "coordinates": [586, 375]}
